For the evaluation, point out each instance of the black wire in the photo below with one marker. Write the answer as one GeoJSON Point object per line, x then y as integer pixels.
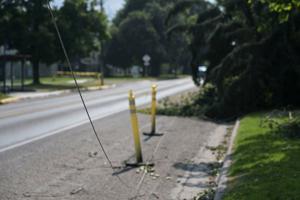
{"type": "Point", "coordinates": [77, 86]}
{"type": "Point", "coordinates": [79, 91]}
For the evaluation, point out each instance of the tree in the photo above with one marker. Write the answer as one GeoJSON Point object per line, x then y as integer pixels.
{"type": "Point", "coordinates": [27, 27]}
{"type": "Point", "coordinates": [251, 49]}
{"type": "Point", "coordinates": [133, 44]}
{"type": "Point", "coordinates": [129, 7]}
{"type": "Point", "coordinates": [29, 30]}
{"type": "Point", "coordinates": [151, 14]}
{"type": "Point", "coordinates": [82, 27]}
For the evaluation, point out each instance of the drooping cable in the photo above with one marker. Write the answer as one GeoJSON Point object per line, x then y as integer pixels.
{"type": "Point", "coordinates": [79, 91]}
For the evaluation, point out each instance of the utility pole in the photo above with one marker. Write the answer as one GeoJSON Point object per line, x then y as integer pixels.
{"type": "Point", "coordinates": [101, 6]}
{"type": "Point", "coordinates": [102, 63]}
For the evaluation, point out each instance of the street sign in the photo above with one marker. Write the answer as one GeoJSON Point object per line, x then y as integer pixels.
{"type": "Point", "coordinates": [146, 58]}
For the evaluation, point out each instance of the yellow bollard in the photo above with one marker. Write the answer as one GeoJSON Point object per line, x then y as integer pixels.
{"type": "Point", "coordinates": [135, 128]}
{"type": "Point", "coordinates": [153, 109]}
{"type": "Point", "coordinates": [153, 114]}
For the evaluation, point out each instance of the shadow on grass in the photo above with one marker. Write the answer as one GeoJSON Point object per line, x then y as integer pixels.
{"type": "Point", "coordinates": [51, 87]}
{"type": "Point", "coordinates": [46, 87]}
{"type": "Point", "coordinates": [265, 166]}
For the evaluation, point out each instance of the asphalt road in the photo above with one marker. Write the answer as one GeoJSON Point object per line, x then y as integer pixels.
{"type": "Point", "coordinates": [27, 121]}
{"type": "Point", "coordinates": [69, 164]}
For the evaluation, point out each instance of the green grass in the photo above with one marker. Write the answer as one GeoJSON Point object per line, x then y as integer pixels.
{"type": "Point", "coordinates": [266, 166]}
{"type": "Point", "coordinates": [65, 83]}
{"type": "Point", "coordinates": [60, 83]}
{"type": "Point", "coordinates": [3, 96]}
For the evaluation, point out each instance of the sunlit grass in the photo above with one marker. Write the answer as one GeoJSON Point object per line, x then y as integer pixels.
{"type": "Point", "coordinates": [3, 96]}
{"type": "Point", "coordinates": [265, 166]}
{"type": "Point", "coordinates": [61, 83]}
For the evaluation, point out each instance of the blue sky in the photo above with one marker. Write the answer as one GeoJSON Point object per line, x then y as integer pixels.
{"type": "Point", "coordinates": [111, 6]}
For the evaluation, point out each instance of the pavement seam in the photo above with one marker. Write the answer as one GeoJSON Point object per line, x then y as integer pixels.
{"type": "Point", "coordinates": [149, 161]}
{"type": "Point", "coordinates": [139, 186]}
{"type": "Point", "coordinates": [223, 177]}
{"type": "Point", "coordinates": [188, 175]}
{"type": "Point", "coordinates": [159, 142]}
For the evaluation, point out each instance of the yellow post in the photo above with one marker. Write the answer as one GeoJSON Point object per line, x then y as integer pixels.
{"type": "Point", "coordinates": [153, 109]}
{"type": "Point", "coordinates": [135, 128]}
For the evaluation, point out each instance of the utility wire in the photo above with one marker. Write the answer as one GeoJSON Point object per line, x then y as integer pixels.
{"type": "Point", "coordinates": [77, 86]}
{"type": "Point", "coordinates": [79, 91]}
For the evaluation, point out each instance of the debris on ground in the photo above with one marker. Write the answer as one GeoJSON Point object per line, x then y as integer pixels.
{"type": "Point", "coordinates": [146, 169]}
{"type": "Point", "coordinates": [155, 195]}
{"type": "Point", "coordinates": [208, 194]}
{"type": "Point", "coordinates": [77, 190]}
{"type": "Point", "coordinates": [93, 154]}
{"type": "Point", "coordinates": [26, 194]}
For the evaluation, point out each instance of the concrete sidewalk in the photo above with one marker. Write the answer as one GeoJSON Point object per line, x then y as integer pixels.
{"type": "Point", "coordinates": [17, 96]}
{"type": "Point", "coordinates": [71, 166]}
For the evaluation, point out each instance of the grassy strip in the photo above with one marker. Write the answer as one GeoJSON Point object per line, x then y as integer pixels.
{"type": "Point", "coordinates": [65, 83]}
{"type": "Point", "coordinates": [3, 96]}
{"type": "Point", "coordinates": [195, 103]}
{"type": "Point", "coordinates": [177, 105]}
{"type": "Point", "coordinates": [62, 83]}
{"type": "Point", "coordinates": [266, 164]}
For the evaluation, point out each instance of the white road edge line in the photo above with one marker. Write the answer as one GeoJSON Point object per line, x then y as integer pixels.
{"type": "Point", "coordinates": [69, 127]}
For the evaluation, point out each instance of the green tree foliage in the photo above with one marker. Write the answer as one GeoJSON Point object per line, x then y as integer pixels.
{"type": "Point", "coordinates": [251, 49]}
{"type": "Point", "coordinates": [175, 48]}
{"type": "Point", "coordinates": [139, 29]}
{"type": "Point", "coordinates": [82, 27]}
{"type": "Point", "coordinates": [130, 6]}
{"type": "Point", "coordinates": [27, 27]}
{"type": "Point", "coordinates": [136, 42]}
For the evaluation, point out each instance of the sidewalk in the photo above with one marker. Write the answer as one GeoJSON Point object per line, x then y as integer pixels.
{"type": "Point", "coordinates": [70, 166]}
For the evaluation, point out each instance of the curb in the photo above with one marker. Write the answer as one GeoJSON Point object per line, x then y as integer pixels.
{"type": "Point", "coordinates": [15, 99]}
{"type": "Point", "coordinates": [93, 88]}
{"type": "Point", "coordinates": [222, 178]}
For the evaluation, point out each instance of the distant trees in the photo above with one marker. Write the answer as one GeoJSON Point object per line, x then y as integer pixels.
{"type": "Point", "coordinates": [139, 29]}
{"type": "Point", "coordinates": [27, 27]}
{"type": "Point", "coordinates": [82, 27]}
{"type": "Point", "coordinates": [135, 38]}
{"type": "Point", "coordinates": [251, 49]}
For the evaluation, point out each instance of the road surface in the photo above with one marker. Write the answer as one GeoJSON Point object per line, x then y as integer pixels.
{"type": "Point", "coordinates": [31, 120]}
{"type": "Point", "coordinates": [69, 164]}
